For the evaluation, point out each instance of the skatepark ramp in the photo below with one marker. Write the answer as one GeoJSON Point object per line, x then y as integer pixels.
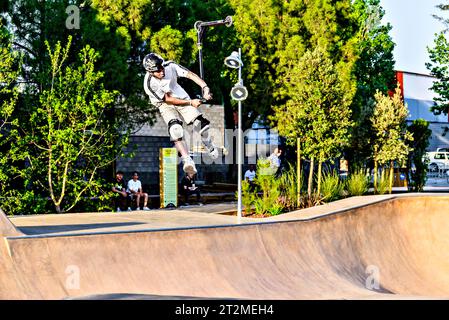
{"type": "Point", "coordinates": [6, 227]}
{"type": "Point", "coordinates": [392, 248]}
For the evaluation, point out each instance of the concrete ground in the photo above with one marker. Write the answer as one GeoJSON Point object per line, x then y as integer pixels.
{"type": "Point", "coordinates": [98, 222]}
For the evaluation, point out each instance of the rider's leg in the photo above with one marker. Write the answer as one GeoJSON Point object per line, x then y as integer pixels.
{"type": "Point", "coordinates": [176, 135]}
{"type": "Point", "coordinates": [182, 148]}
{"type": "Point", "coordinates": [192, 115]}
{"type": "Point", "coordinates": [203, 126]}
{"type": "Point", "coordinates": [170, 115]}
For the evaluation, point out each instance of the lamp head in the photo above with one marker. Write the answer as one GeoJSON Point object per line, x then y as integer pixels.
{"type": "Point", "coordinates": [233, 61]}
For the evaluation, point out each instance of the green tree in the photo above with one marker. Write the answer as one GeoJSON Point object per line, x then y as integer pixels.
{"type": "Point", "coordinates": [122, 32]}
{"type": "Point", "coordinates": [113, 29]}
{"type": "Point", "coordinates": [391, 137]}
{"type": "Point", "coordinates": [318, 110]}
{"type": "Point", "coordinates": [275, 34]}
{"type": "Point", "coordinates": [170, 50]}
{"type": "Point", "coordinates": [421, 133]}
{"type": "Point", "coordinates": [165, 27]}
{"type": "Point", "coordinates": [32, 23]}
{"type": "Point", "coordinates": [258, 30]}
{"type": "Point", "coordinates": [118, 31]}
{"type": "Point", "coordinates": [374, 71]}
{"type": "Point", "coordinates": [443, 7]}
{"type": "Point", "coordinates": [8, 100]}
{"type": "Point", "coordinates": [68, 139]}
{"type": "Point", "coordinates": [439, 68]}
{"type": "Point", "coordinates": [8, 77]}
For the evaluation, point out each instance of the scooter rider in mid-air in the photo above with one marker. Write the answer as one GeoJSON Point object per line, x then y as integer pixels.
{"type": "Point", "coordinates": [172, 100]}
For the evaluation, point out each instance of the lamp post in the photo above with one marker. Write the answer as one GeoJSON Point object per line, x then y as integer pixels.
{"type": "Point", "coordinates": [238, 93]}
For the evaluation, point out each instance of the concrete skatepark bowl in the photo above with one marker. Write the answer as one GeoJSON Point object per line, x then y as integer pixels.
{"type": "Point", "coordinates": [330, 255]}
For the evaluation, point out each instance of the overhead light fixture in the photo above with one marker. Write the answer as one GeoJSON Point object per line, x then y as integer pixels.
{"type": "Point", "coordinates": [233, 61]}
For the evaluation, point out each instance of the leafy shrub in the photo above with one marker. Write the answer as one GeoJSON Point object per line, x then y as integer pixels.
{"type": "Point", "coordinates": [357, 183]}
{"type": "Point", "coordinates": [383, 183]}
{"type": "Point", "coordinates": [264, 167]}
{"type": "Point", "coordinates": [331, 187]}
{"type": "Point", "coordinates": [270, 187]}
{"type": "Point", "coordinates": [288, 188]}
{"type": "Point", "coordinates": [276, 209]}
{"type": "Point", "coordinates": [248, 196]}
{"type": "Point", "coordinates": [278, 193]}
{"type": "Point", "coordinates": [259, 206]}
{"type": "Point", "coordinates": [15, 202]}
{"type": "Point", "coordinates": [311, 201]}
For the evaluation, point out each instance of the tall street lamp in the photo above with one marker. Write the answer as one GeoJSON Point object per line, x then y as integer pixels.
{"type": "Point", "coordinates": [238, 93]}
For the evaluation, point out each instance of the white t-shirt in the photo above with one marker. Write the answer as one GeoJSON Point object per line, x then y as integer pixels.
{"type": "Point", "coordinates": [250, 175]}
{"type": "Point", "coordinates": [157, 88]}
{"type": "Point", "coordinates": [134, 185]}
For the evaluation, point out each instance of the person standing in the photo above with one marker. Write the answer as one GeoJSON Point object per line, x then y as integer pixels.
{"type": "Point", "coordinates": [135, 189]}
{"type": "Point", "coordinates": [173, 102]}
{"type": "Point", "coordinates": [275, 161]}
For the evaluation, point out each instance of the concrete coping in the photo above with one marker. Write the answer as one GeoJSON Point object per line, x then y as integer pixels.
{"type": "Point", "coordinates": [308, 214]}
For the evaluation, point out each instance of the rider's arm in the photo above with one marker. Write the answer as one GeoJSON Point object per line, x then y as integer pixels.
{"type": "Point", "coordinates": [181, 102]}
{"type": "Point", "coordinates": [205, 90]}
{"type": "Point", "coordinates": [186, 73]}
{"type": "Point", "coordinates": [183, 72]}
{"type": "Point", "coordinates": [195, 78]}
{"type": "Point", "coordinates": [168, 98]}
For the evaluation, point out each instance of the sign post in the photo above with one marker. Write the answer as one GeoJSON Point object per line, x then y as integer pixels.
{"type": "Point", "coordinates": [168, 173]}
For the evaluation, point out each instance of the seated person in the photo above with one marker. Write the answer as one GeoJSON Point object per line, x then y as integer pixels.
{"type": "Point", "coordinates": [135, 189]}
{"type": "Point", "coordinates": [188, 187]}
{"type": "Point", "coordinates": [119, 186]}
{"type": "Point", "coordinates": [250, 174]}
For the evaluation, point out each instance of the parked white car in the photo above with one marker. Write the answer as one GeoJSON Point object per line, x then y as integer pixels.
{"type": "Point", "coordinates": [437, 160]}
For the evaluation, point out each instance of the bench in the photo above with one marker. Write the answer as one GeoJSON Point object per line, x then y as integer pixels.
{"type": "Point", "coordinates": [154, 199]}
{"type": "Point", "coordinates": [218, 196]}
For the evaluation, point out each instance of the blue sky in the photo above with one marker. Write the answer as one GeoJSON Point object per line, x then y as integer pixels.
{"type": "Point", "coordinates": [413, 30]}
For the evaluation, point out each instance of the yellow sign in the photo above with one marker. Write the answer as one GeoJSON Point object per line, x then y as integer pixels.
{"type": "Point", "coordinates": [168, 174]}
